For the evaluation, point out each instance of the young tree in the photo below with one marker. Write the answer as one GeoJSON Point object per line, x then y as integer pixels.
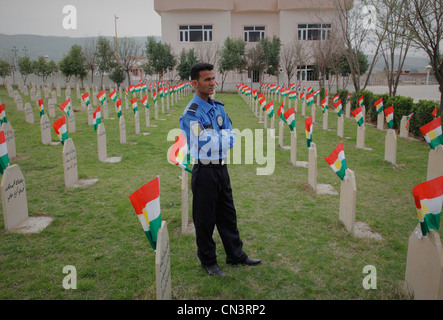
{"type": "Point", "coordinates": [129, 51]}
{"type": "Point", "coordinates": [187, 60]}
{"type": "Point", "coordinates": [73, 63]}
{"type": "Point", "coordinates": [271, 49]}
{"type": "Point", "coordinates": [232, 57]}
{"type": "Point", "coordinates": [160, 58]}
{"type": "Point", "coordinates": [44, 69]}
{"type": "Point", "coordinates": [90, 54]}
{"type": "Point", "coordinates": [118, 75]}
{"type": "Point", "coordinates": [5, 70]}
{"type": "Point", "coordinates": [424, 23]}
{"type": "Point", "coordinates": [26, 67]}
{"type": "Point", "coordinates": [105, 56]}
{"type": "Point", "coordinates": [255, 59]}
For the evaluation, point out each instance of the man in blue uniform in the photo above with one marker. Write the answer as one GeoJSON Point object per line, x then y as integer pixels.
{"type": "Point", "coordinates": [209, 134]}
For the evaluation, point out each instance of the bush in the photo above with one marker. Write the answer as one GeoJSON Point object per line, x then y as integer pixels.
{"type": "Point", "coordinates": [368, 101]}
{"type": "Point", "coordinates": [422, 115]}
{"type": "Point", "coordinates": [403, 106]}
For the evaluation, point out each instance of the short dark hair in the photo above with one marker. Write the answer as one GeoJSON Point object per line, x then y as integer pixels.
{"type": "Point", "coordinates": [200, 66]}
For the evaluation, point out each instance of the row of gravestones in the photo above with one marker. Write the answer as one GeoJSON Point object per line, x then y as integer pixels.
{"type": "Point", "coordinates": [424, 265]}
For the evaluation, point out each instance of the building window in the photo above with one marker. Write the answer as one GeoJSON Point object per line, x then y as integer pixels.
{"type": "Point", "coordinates": [195, 33]}
{"type": "Point", "coordinates": [306, 73]}
{"type": "Point", "coordinates": [254, 75]}
{"type": "Point", "coordinates": [314, 31]}
{"type": "Point", "coordinates": [254, 33]}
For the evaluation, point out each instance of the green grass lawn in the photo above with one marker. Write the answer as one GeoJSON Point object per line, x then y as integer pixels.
{"type": "Point", "coordinates": [305, 249]}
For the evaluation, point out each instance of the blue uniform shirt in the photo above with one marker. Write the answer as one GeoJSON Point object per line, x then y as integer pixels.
{"type": "Point", "coordinates": [207, 128]}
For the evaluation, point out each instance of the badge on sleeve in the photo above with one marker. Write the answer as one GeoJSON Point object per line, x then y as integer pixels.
{"type": "Point", "coordinates": [197, 129]}
{"type": "Point", "coordinates": [220, 120]}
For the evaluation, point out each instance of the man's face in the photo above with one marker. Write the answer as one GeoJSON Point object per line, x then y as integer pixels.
{"type": "Point", "coordinates": [204, 86]}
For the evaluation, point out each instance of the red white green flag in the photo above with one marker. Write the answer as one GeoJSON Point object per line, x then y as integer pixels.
{"type": "Point", "coordinates": [428, 197]}
{"type": "Point", "coordinates": [118, 106]}
{"type": "Point", "coordinates": [358, 116]}
{"type": "Point", "coordinates": [146, 203]}
{"type": "Point", "coordinates": [131, 88]}
{"type": "Point", "coordinates": [280, 113]}
{"type": "Point", "coordinates": [360, 102]}
{"type": "Point", "coordinates": [408, 118]}
{"type": "Point", "coordinates": [41, 107]}
{"type": "Point", "coordinates": [144, 101]}
{"type": "Point", "coordinates": [60, 129]}
{"type": "Point", "coordinates": [293, 94]}
{"type": "Point", "coordinates": [389, 114]}
{"type": "Point", "coordinates": [96, 118]}
{"type": "Point", "coordinates": [308, 129]}
{"type": "Point", "coordinates": [434, 113]}
{"type": "Point", "coordinates": [432, 133]}
{"type": "Point", "coordinates": [66, 106]}
{"type": "Point", "coordinates": [102, 96]}
{"type": "Point", "coordinates": [290, 118]}
{"type": "Point", "coordinates": [302, 96]}
{"type": "Point", "coordinates": [4, 157]}
{"type": "Point", "coordinates": [379, 105]}
{"type": "Point", "coordinates": [324, 104]}
{"type": "Point", "coordinates": [179, 154]}
{"type": "Point", "coordinates": [154, 96]}
{"type": "Point", "coordinates": [335, 99]}
{"type": "Point", "coordinates": [113, 95]}
{"type": "Point", "coordinates": [262, 101]}
{"type": "Point", "coordinates": [337, 161]}
{"type": "Point", "coordinates": [134, 104]}
{"type": "Point", "coordinates": [85, 98]}
{"type": "Point", "coordinates": [270, 109]}
{"type": "Point", "coordinates": [338, 108]}
{"type": "Point", "coordinates": [3, 114]}
{"type": "Point", "coordinates": [309, 99]}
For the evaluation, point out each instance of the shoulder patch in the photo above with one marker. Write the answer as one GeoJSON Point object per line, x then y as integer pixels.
{"type": "Point", "coordinates": [193, 108]}
{"type": "Point", "coordinates": [218, 102]}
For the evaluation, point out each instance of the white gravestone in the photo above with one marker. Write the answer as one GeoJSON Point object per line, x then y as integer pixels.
{"type": "Point", "coordinates": [15, 204]}
{"type": "Point", "coordinates": [435, 163]}
{"type": "Point", "coordinates": [122, 126]}
{"type": "Point", "coordinates": [45, 128]}
{"type": "Point", "coordinates": [70, 163]}
{"type": "Point", "coordinates": [348, 201]}
{"type": "Point", "coordinates": [340, 126]}
{"type": "Point", "coordinates": [361, 136]}
{"type": "Point", "coordinates": [137, 122]}
{"type": "Point", "coordinates": [162, 264]}
{"type": "Point", "coordinates": [51, 107]}
{"type": "Point", "coordinates": [325, 120]}
{"type": "Point", "coordinates": [391, 146]}
{"type": "Point", "coordinates": [71, 121]}
{"type": "Point", "coordinates": [90, 115]}
{"type": "Point", "coordinates": [404, 129]}
{"type": "Point", "coordinates": [10, 139]}
{"type": "Point", "coordinates": [29, 114]}
{"type": "Point", "coordinates": [312, 167]}
{"type": "Point", "coordinates": [380, 121]}
{"type": "Point", "coordinates": [101, 145]}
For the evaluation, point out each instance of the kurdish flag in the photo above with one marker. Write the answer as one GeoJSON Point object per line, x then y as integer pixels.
{"type": "Point", "coordinates": [434, 113]}
{"type": "Point", "coordinates": [134, 104]}
{"type": "Point", "coordinates": [280, 113]}
{"type": "Point", "coordinates": [337, 161]}
{"type": "Point", "coordinates": [60, 129]}
{"type": "Point", "coordinates": [180, 155]}
{"type": "Point", "coordinates": [96, 117]}
{"type": "Point", "coordinates": [358, 116]}
{"type": "Point", "coordinates": [144, 100]}
{"type": "Point", "coordinates": [85, 98]}
{"type": "Point", "coordinates": [102, 96]}
{"type": "Point", "coordinates": [389, 114]}
{"type": "Point", "coordinates": [113, 95]}
{"type": "Point", "coordinates": [379, 105]}
{"type": "Point", "coordinates": [4, 157]}
{"type": "Point", "coordinates": [360, 102]}
{"type": "Point", "coordinates": [3, 114]}
{"type": "Point", "coordinates": [270, 109]}
{"type": "Point", "coordinates": [290, 118]}
{"type": "Point", "coordinates": [338, 107]}
{"type": "Point", "coordinates": [41, 107]}
{"type": "Point", "coordinates": [408, 118]}
{"type": "Point", "coordinates": [432, 133]}
{"type": "Point", "coordinates": [292, 94]}
{"type": "Point", "coordinates": [118, 106]}
{"type": "Point", "coordinates": [324, 104]}
{"type": "Point", "coordinates": [308, 129]}
{"type": "Point", "coordinates": [335, 99]}
{"type": "Point", "coordinates": [262, 101]}
{"type": "Point", "coordinates": [154, 96]}
{"type": "Point", "coordinates": [428, 197]}
{"type": "Point", "coordinates": [309, 99]}
{"type": "Point", "coordinates": [66, 106]}
{"type": "Point", "coordinates": [146, 203]}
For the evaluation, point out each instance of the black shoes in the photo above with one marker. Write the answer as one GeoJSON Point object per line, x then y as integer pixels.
{"type": "Point", "coordinates": [214, 270]}
{"type": "Point", "coordinates": [248, 262]}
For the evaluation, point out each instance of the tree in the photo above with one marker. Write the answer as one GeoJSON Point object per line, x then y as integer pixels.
{"type": "Point", "coordinates": [44, 69]}
{"type": "Point", "coordinates": [423, 20]}
{"type": "Point", "coordinates": [90, 54]}
{"type": "Point", "coordinates": [129, 50]}
{"type": "Point", "coordinates": [288, 60]}
{"type": "Point", "coordinates": [271, 51]}
{"type": "Point", "coordinates": [118, 75]}
{"type": "Point", "coordinates": [187, 60]}
{"type": "Point", "coordinates": [160, 58]}
{"type": "Point", "coordinates": [73, 64]}
{"type": "Point", "coordinates": [26, 67]}
{"type": "Point", "coordinates": [5, 69]}
{"type": "Point", "coordinates": [105, 56]}
{"type": "Point", "coordinates": [232, 57]}
{"type": "Point", "coordinates": [255, 58]}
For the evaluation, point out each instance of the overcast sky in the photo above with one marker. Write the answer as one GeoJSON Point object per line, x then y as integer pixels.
{"type": "Point", "coordinates": [94, 17]}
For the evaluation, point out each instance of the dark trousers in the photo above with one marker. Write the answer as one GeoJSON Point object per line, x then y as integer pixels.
{"type": "Point", "coordinates": [213, 205]}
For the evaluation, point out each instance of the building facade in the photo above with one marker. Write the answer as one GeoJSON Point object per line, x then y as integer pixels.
{"type": "Point", "coordinates": [204, 25]}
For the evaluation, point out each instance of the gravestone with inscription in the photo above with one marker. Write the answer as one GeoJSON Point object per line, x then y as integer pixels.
{"type": "Point", "coordinates": [51, 107]}
{"type": "Point", "coordinates": [162, 264]}
{"type": "Point", "coordinates": [10, 139]}
{"type": "Point", "coordinates": [391, 146]}
{"type": "Point", "coordinates": [29, 114]}
{"type": "Point", "coordinates": [45, 128]}
{"type": "Point", "coordinates": [137, 122]}
{"type": "Point", "coordinates": [101, 143]}
{"type": "Point", "coordinates": [70, 163]}
{"type": "Point", "coordinates": [122, 126]}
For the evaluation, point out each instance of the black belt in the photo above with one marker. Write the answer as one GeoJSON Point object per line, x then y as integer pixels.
{"type": "Point", "coordinates": [212, 163]}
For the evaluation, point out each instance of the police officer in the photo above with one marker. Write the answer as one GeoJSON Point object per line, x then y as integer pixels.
{"type": "Point", "coordinates": [209, 134]}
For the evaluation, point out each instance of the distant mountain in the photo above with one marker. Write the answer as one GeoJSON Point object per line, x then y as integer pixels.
{"type": "Point", "coordinates": [413, 63]}
{"type": "Point", "coordinates": [35, 46]}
